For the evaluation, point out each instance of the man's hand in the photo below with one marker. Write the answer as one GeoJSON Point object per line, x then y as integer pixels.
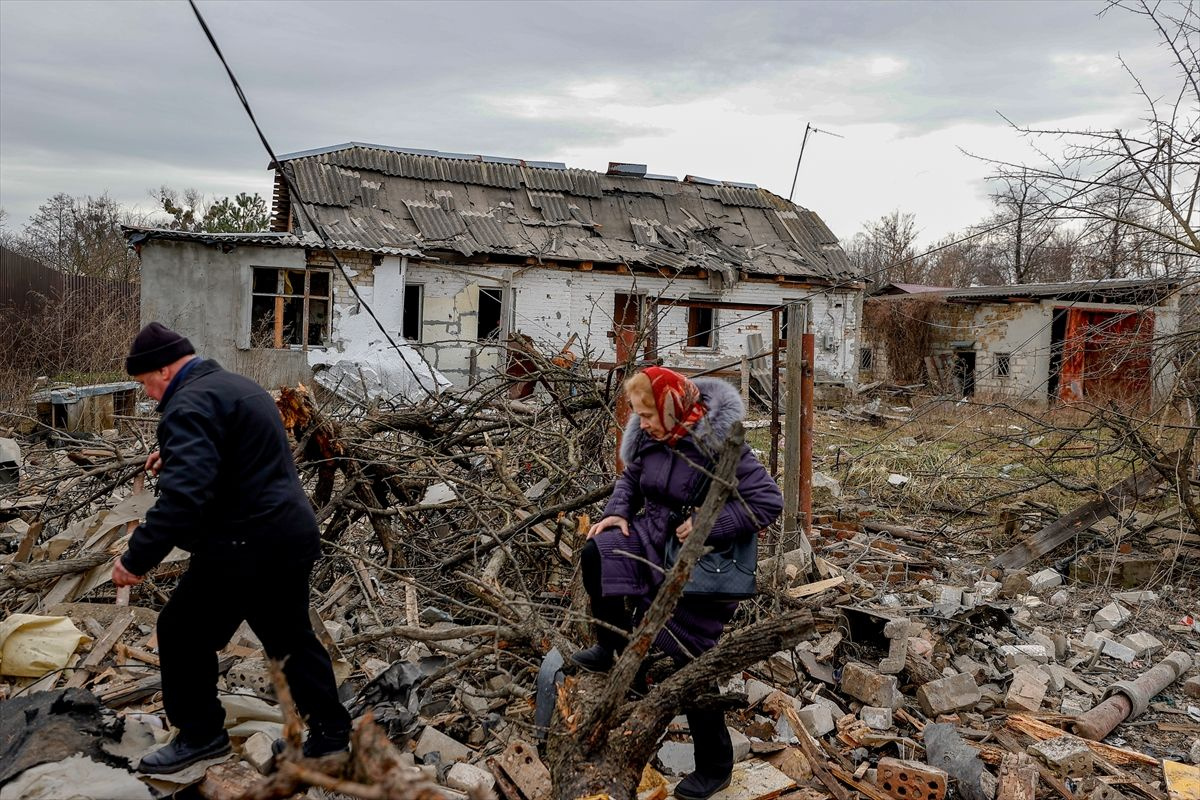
{"type": "Point", "coordinates": [122, 576]}
{"type": "Point", "coordinates": [684, 530]}
{"type": "Point", "coordinates": [609, 522]}
{"type": "Point", "coordinates": [153, 463]}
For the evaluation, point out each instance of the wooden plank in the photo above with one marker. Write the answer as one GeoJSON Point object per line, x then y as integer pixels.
{"type": "Point", "coordinates": [546, 535]}
{"type": "Point", "coordinates": [858, 785]}
{"type": "Point", "coordinates": [1041, 731]}
{"type": "Point", "coordinates": [1067, 527]}
{"type": "Point", "coordinates": [25, 549]}
{"type": "Point", "coordinates": [100, 650]}
{"type": "Point", "coordinates": [816, 759]}
{"type": "Point", "coordinates": [816, 587]}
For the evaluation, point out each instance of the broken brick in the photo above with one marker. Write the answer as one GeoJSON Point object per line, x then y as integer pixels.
{"type": "Point", "coordinates": [910, 780]}
{"type": "Point", "coordinates": [1067, 756]}
{"type": "Point", "coordinates": [868, 686]}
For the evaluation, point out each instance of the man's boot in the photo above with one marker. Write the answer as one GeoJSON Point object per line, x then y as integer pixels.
{"type": "Point", "coordinates": [714, 756]}
{"type": "Point", "coordinates": [183, 752]}
{"type": "Point", "coordinates": [600, 656]}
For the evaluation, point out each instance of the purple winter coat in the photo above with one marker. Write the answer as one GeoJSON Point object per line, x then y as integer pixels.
{"type": "Point", "coordinates": [659, 477]}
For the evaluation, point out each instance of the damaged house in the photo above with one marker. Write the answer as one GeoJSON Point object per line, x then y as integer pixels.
{"type": "Point", "coordinates": [1032, 343]}
{"type": "Point", "coordinates": [453, 253]}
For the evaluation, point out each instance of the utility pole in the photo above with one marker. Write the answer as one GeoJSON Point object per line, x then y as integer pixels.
{"type": "Point", "coordinates": [808, 128]}
{"type": "Point", "coordinates": [797, 456]}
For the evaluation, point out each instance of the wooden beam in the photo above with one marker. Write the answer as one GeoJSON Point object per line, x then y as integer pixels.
{"type": "Point", "coordinates": [101, 648]}
{"type": "Point", "coordinates": [1066, 527]}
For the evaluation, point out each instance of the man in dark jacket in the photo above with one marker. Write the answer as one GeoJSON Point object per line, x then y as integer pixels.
{"type": "Point", "coordinates": [229, 494]}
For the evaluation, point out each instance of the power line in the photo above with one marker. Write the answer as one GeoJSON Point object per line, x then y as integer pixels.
{"type": "Point", "coordinates": [310, 219]}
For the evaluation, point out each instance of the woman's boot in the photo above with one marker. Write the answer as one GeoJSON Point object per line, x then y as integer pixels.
{"type": "Point", "coordinates": [600, 656]}
{"type": "Point", "coordinates": [714, 756]}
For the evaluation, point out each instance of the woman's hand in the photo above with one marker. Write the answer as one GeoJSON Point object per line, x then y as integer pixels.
{"type": "Point", "coordinates": [153, 463]}
{"type": "Point", "coordinates": [684, 530]}
{"type": "Point", "coordinates": [609, 522]}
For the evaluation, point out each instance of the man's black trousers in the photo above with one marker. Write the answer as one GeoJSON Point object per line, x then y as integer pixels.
{"type": "Point", "coordinates": [211, 600]}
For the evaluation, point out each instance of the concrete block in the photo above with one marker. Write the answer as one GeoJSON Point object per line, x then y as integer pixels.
{"type": "Point", "coordinates": [1046, 579]}
{"type": "Point", "coordinates": [964, 663]}
{"type": "Point", "coordinates": [757, 691]}
{"type": "Point", "coordinates": [1094, 641]}
{"type": "Point", "coordinates": [257, 752]}
{"type": "Point", "coordinates": [1060, 598]}
{"type": "Point", "coordinates": [877, 719]}
{"type": "Point", "coordinates": [741, 745]}
{"type": "Point", "coordinates": [910, 780]}
{"type": "Point", "coordinates": [677, 758]}
{"type": "Point", "coordinates": [948, 694]}
{"type": "Point", "coordinates": [1111, 616]}
{"type": "Point", "coordinates": [1118, 651]}
{"type": "Point", "coordinates": [434, 741]}
{"type": "Point", "coordinates": [468, 777]}
{"type": "Point", "coordinates": [1054, 679]}
{"type": "Point", "coordinates": [1142, 643]}
{"type": "Point", "coordinates": [986, 590]}
{"type": "Point", "coordinates": [817, 720]}
{"type": "Point", "coordinates": [1016, 655]}
{"type": "Point", "coordinates": [1138, 598]}
{"type": "Point", "coordinates": [1191, 687]}
{"type": "Point", "coordinates": [1074, 706]}
{"type": "Point", "coordinates": [1027, 690]}
{"type": "Point", "coordinates": [869, 687]}
{"type": "Point", "coordinates": [1066, 756]}
{"type": "Point", "coordinates": [1046, 643]}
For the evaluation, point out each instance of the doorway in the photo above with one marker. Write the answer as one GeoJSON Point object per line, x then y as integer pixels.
{"type": "Point", "coordinates": [964, 372]}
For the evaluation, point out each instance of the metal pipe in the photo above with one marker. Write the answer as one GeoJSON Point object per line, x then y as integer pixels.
{"type": "Point", "coordinates": [1127, 699]}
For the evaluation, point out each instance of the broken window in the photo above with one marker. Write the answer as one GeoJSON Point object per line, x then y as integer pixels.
{"type": "Point", "coordinates": [1002, 365]}
{"type": "Point", "coordinates": [866, 359]}
{"type": "Point", "coordinates": [290, 307]}
{"type": "Point", "coordinates": [701, 325]}
{"type": "Point", "coordinates": [414, 303]}
{"type": "Point", "coordinates": [491, 304]}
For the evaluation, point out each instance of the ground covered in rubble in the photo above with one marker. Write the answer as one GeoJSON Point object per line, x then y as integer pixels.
{"type": "Point", "coordinates": [944, 652]}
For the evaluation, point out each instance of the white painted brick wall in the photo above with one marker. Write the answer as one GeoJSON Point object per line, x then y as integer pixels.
{"type": "Point", "coordinates": [551, 304]}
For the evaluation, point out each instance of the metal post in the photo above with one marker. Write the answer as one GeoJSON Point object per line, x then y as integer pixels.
{"type": "Point", "coordinates": [746, 382]}
{"type": "Point", "coordinates": [775, 393]}
{"type": "Point", "coordinates": [792, 434]}
{"type": "Point", "coordinates": [806, 430]}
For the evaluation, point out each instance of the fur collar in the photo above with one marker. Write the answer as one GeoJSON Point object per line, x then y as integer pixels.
{"type": "Point", "coordinates": [724, 408]}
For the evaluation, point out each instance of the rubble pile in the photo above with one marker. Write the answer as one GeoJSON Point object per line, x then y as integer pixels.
{"type": "Point", "coordinates": [933, 667]}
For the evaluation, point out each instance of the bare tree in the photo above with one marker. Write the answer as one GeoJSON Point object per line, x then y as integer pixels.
{"type": "Point", "coordinates": [1118, 183]}
{"type": "Point", "coordinates": [886, 249]}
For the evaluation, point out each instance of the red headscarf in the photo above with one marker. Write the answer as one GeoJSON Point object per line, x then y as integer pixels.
{"type": "Point", "coordinates": [677, 400]}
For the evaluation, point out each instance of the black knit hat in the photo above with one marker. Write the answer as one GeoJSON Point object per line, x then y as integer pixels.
{"type": "Point", "coordinates": [155, 347]}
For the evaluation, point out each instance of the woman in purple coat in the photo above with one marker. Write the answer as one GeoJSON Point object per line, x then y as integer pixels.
{"type": "Point", "coordinates": [676, 435]}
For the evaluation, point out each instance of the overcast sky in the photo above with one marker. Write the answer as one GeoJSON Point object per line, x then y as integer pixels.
{"type": "Point", "coordinates": [122, 97]}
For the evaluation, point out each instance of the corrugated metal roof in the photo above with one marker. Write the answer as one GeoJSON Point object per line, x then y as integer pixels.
{"type": "Point", "coordinates": [741, 196]}
{"type": "Point", "coordinates": [436, 223]}
{"type": "Point", "coordinates": [137, 233]}
{"type": "Point", "coordinates": [1067, 287]}
{"type": "Point", "coordinates": [401, 197]}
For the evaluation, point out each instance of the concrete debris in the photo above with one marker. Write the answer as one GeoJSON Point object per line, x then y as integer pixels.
{"type": "Point", "coordinates": [919, 643]}
{"type": "Point", "coordinates": [948, 694]}
{"type": "Point", "coordinates": [1027, 690]}
{"type": "Point", "coordinates": [879, 719]}
{"type": "Point", "coordinates": [1142, 644]}
{"type": "Point", "coordinates": [1066, 756]}
{"type": "Point", "coordinates": [1111, 616]}
{"type": "Point", "coordinates": [1046, 579]}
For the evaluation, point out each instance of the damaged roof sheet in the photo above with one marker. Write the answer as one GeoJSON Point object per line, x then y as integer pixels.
{"type": "Point", "coordinates": [386, 197]}
{"type": "Point", "coordinates": [138, 234]}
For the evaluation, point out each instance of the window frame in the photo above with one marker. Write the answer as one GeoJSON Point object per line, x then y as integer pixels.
{"type": "Point", "coordinates": [498, 293]}
{"type": "Point", "coordinates": [1003, 365]}
{"type": "Point", "coordinates": [693, 332]}
{"type": "Point", "coordinates": [866, 359]}
{"type": "Point", "coordinates": [305, 296]}
{"type": "Point", "coordinates": [420, 322]}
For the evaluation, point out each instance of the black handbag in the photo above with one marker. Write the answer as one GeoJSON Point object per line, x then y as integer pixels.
{"type": "Point", "coordinates": [724, 575]}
